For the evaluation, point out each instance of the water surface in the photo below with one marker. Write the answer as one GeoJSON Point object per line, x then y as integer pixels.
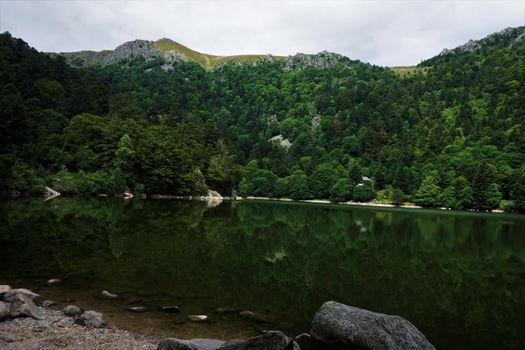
{"type": "Point", "coordinates": [459, 277]}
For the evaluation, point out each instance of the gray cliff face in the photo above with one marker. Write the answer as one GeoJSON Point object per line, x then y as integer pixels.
{"type": "Point", "coordinates": [509, 36]}
{"type": "Point", "coordinates": [322, 59]}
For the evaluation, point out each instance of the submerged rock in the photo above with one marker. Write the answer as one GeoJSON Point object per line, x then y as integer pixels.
{"type": "Point", "coordinates": [22, 304]}
{"type": "Point", "coordinates": [273, 340]}
{"type": "Point", "coordinates": [173, 309]}
{"type": "Point", "coordinates": [347, 327]}
{"type": "Point", "coordinates": [227, 310]}
{"type": "Point", "coordinates": [192, 344]}
{"type": "Point", "coordinates": [54, 281]}
{"type": "Point", "coordinates": [72, 311]}
{"type": "Point", "coordinates": [198, 318]}
{"type": "Point", "coordinates": [137, 309]}
{"type": "Point", "coordinates": [91, 319]}
{"type": "Point", "coordinates": [133, 300]}
{"type": "Point", "coordinates": [252, 316]}
{"type": "Point", "coordinates": [107, 295]}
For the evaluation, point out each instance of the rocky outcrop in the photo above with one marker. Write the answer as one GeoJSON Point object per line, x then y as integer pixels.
{"type": "Point", "coordinates": [22, 304]}
{"type": "Point", "coordinates": [322, 59]}
{"type": "Point", "coordinates": [346, 327]}
{"type": "Point", "coordinates": [193, 344]}
{"type": "Point", "coordinates": [131, 50]}
{"type": "Point", "coordinates": [508, 37]}
{"type": "Point", "coordinates": [281, 141]}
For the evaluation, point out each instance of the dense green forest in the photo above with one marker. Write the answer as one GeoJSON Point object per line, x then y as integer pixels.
{"type": "Point", "coordinates": [450, 133]}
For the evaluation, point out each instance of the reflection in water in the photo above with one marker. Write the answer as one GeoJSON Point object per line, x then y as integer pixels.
{"type": "Point", "coordinates": [459, 277]}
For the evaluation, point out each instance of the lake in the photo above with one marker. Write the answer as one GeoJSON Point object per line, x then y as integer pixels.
{"type": "Point", "coordinates": [458, 276]}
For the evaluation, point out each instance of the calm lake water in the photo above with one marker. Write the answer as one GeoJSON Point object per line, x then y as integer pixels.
{"type": "Point", "coordinates": [459, 277]}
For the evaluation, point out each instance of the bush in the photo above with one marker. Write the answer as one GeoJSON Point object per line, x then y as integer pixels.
{"type": "Point", "coordinates": [364, 192]}
{"type": "Point", "coordinates": [341, 191]}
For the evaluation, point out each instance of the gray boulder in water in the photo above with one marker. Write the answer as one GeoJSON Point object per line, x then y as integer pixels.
{"type": "Point", "coordinates": [346, 327]}
{"type": "Point", "coordinates": [193, 344]}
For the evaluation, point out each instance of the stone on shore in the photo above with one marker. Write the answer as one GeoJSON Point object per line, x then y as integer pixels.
{"type": "Point", "coordinates": [72, 311]}
{"type": "Point", "coordinates": [346, 327]}
{"type": "Point", "coordinates": [10, 294]}
{"type": "Point", "coordinates": [4, 310]}
{"type": "Point", "coordinates": [48, 303]}
{"type": "Point", "coordinates": [273, 340]}
{"type": "Point", "coordinates": [4, 288]}
{"type": "Point", "coordinates": [22, 304]}
{"type": "Point", "coordinates": [193, 344]}
{"type": "Point", "coordinates": [91, 319]}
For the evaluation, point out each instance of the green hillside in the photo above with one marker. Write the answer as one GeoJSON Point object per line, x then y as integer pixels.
{"type": "Point", "coordinates": [314, 126]}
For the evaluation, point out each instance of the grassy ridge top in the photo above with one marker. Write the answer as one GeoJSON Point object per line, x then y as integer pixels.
{"type": "Point", "coordinates": [205, 60]}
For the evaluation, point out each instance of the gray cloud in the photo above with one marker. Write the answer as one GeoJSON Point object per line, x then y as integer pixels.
{"type": "Point", "coordinates": [381, 32]}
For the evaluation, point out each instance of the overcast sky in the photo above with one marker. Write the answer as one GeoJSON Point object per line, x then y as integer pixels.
{"type": "Point", "coordinates": [380, 32]}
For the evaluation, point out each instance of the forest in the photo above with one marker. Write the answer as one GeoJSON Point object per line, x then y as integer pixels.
{"type": "Point", "coordinates": [449, 133]}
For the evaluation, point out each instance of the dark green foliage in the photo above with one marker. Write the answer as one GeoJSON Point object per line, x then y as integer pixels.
{"type": "Point", "coordinates": [342, 191]}
{"type": "Point", "coordinates": [364, 192]}
{"type": "Point", "coordinates": [189, 130]}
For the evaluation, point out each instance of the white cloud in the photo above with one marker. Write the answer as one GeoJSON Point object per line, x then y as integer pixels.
{"type": "Point", "coordinates": [380, 32]}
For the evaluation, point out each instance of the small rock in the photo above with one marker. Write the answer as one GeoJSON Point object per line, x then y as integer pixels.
{"type": "Point", "coordinates": [65, 322]}
{"type": "Point", "coordinates": [72, 311]}
{"type": "Point", "coordinates": [107, 295]}
{"type": "Point", "coordinates": [304, 340]}
{"type": "Point", "coordinates": [48, 303]}
{"type": "Point", "coordinates": [91, 319]}
{"type": "Point", "coordinates": [6, 339]}
{"type": "Point", "coordinates": [227, 310]}
{"type": "Point", "coordinates": [173, 309]}
{"type": "Point", "coordinates": [54, 281]}
{"type": "Point", "coordinates": [274, 340]}
{"type": "Point", "coordinates": [252, 316]}
{"type": "Point", "coordinates": [193, 344]}
{"type": "Point", "coordinates": [43, 325]}
{"type": "Point", "coordinates": [198, 318]}
{"type": "Point", "coordinates": [22, 304]}
{"type": "Point", "coordinates": [4, 288]}
{"type": "Point", "coordinates": [137, 308]}
{"type": "Point", "coordinates": [4, 310]}
{"type": "Point", "coordinates": [133, 300]}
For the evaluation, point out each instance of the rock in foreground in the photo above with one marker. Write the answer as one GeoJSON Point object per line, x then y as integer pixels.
{"type": "Point", "coordinates": [193, 344]}
{"type": "Point", "coordinates": [346, 327]}
{"type": "Point", "coordinates": [273, 340]}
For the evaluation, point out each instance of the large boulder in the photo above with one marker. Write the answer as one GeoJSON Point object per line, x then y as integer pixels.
{"type": "Point", "coordinates": [272, 340]}
{"type": "Point", "coordinates": [22, 304]}
{"type": "Point", "coordinates": [193, 344]}
{"type": "Point", "coordinates": [346, 327]}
